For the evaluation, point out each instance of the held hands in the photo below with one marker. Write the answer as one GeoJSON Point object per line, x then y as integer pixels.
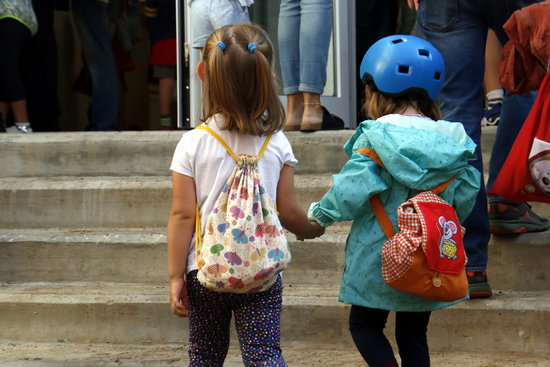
{"type": "Point", "coordinates": [315, 230]}
{"type": "Point", "coordinates": [178, 297]}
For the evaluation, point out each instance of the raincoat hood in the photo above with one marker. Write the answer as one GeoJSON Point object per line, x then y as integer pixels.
{"type": "Point", "coordinates": [419, 161]}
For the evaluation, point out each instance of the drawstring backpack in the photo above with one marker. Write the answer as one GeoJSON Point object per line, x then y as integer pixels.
{"type": "Point", "coordinates": [426, 256]}
{"type": "Point", "coordinates": [244, 246]}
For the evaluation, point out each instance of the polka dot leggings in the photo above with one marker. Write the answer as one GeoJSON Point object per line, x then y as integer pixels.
{"type": "Point", "coordinates": [257, 320]}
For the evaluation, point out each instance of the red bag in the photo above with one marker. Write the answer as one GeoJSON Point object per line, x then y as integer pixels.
{"type": "Point", "coordinates": [525, 175]}
{"type": "Point", "coordinates": [426, 256]}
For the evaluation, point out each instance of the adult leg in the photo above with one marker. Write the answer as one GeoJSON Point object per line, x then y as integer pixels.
{"type": "Point", "coordinates": [225, 12]}
{"type": "Point", "coordinates": [461, 40]}
{"type": "Point", "coordinates": [13, 36]}
{"type": "Point", "coordinates": [315, 32]}
{"type": "Point", "coordinates": [367, 330]}
{"type": "Point", "coordinates": [257, 320]}
{"type": "Point", "coordinates": [166, 91]}
{"type": "Point", "coordinates": [374, 19]}
{"type": "Point", "coordinates": [508, 217]}
{"type": "Point", "coordinates": [40, 70]}
{"type": "Point", "coordinates": [411, 336]}
{"type": "Point", "coordinates": [209, 320]}
{"type": "Point", "coordinates": [289, 57]}
{"type": "Point", "coordinates": [91, 18]}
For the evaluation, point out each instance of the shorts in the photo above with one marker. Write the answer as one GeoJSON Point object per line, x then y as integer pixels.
{"type": "Point", "coordinates": [209, 15]}
{"type": "Point", "coordinates": [164, 52]}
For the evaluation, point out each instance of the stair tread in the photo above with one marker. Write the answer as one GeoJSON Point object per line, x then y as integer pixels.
{"type": "Point", "coordinates": [294, 294]}
{"type": "Point", "coordinates": [89, 182]}
{"type": "Point", "coordinates": [153, 355]}
{"type": "Point", "coordinates": [335, 233]}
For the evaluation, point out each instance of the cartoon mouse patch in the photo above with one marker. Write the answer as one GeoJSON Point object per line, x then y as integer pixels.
{"type": "Point", "coordinates": [447, 246]}
{"type": "Point", "coordinates": [539, 166]}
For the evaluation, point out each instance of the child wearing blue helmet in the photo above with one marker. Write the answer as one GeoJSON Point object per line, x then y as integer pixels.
{"type": "Point", "coordinates": [416, 152]}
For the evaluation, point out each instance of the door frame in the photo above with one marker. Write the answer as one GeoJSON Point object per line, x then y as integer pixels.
{"type": "Point", "coordinates": [342, 103]}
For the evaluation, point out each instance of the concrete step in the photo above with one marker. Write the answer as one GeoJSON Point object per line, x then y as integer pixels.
{"type": "Point", "coordinates": [137, 153]}
{"type": "Point", "coordinates": [105, 355]}
{"type": "Point", "coordinates": [102, 202]}
{"type": "Point", "coordinates": [139, 256]}
{"type": "Point", "coordinates": [116, 202]}
{"type": "Point", "coordinates": [148, 153]}
{"type": "Point", "coordinates": [170, 355]}
{"type": "Point", "coordinates": [123, 313]}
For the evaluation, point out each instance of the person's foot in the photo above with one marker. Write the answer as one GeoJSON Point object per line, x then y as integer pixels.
{"type": "Point", "coordinates": [515, 218]}
{"type": "Point", "coordinates": [294, 112]}
{"type": "Point", "coordinates": [478, 285]}
{"type": "Point", "coordinates": [166, 123]}
{"type": "Point", "coordinates": [20, 128]}
{"type": "Point", "coordinates": [312, 119]}
{"type": "Point", "coordinates": [491, 114]}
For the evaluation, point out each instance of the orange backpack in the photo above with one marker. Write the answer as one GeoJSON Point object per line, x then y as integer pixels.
{"type": "Point", "coordinates": [426, 256]}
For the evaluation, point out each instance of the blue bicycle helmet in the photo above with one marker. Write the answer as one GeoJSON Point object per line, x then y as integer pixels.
{"type": "Point", "coordinates": [402, 63]}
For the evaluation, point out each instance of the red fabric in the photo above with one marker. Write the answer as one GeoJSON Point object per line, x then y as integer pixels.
{"type": "Point", "coordinates": [412, 261]}
{"type": "Point", "coordinates": [525, 57]}
{"type": "Point", "coordinates": [525, 175]}
{"type": "Point", "coordinates": [164, 52]}
{"type": "Point", "coordinates": [123, 59]}
{"type": "Point", "coordinates": [444, 248]}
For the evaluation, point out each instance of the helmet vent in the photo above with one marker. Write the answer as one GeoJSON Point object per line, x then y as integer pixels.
{"type": "Point", "coordinates": [404, 69]}
{"type": "Point", "coordinates": [425, 53]}
{"type": "Point", "coordinates": [396, 41]}
{"type": "Point", "coordinates": [437, 75]}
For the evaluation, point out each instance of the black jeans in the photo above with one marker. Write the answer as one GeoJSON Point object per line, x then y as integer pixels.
{"type": "Point", "coordinates": [367, 325]}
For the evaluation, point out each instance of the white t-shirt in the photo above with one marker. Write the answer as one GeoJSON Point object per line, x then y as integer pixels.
{"type": "Point", "coordinates": [199, 155]}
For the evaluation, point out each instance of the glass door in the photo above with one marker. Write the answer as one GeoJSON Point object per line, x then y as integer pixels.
{"type": "Point", "coordinates": [339, 95]}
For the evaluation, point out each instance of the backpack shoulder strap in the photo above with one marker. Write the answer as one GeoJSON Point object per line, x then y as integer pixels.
{"type": "Point", "coordinates": [222, 142]}
{"type": "Point", "coordinates": [382, 216]}
{"type": "Point", "coordinates": [219, 138]}
{"type": "Point", "coordinates": [375, 202]}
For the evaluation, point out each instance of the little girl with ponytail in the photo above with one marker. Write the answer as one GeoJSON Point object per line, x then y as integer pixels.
{"type": "Point", "coordinates": [242, 108]}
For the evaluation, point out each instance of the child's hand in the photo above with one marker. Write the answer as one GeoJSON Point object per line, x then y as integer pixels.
{"type": "Point", "coordinates": [315, 231]}
{"type": "Point", "coordinates": [318, 230]}
{"type": "Point", "coordinates": [178, 297]}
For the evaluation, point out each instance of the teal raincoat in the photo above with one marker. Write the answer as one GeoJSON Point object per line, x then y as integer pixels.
{"type": "Point", "coordinates": [418, 154]}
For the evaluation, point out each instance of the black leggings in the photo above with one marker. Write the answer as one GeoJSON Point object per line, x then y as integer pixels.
{"type": "Point", "coordinates": [13, 35]}
{"type": "Point", "coordinates": [367, 326]}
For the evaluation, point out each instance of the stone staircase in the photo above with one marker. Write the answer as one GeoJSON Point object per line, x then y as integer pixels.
{"type": "Point", "coordinates": [83, 264]}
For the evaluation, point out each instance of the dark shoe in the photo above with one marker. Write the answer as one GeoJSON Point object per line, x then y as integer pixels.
{"type": "Point", "coordinates": [329, 122]}
{"type": "Point", "coordinates": [478, 285]}
{"type": "Point", "coordinates": [515, 218]}
{"type": "Point", "coordinates": [491, 115]}
{"type": "Point", "coordinates": [20, 128]}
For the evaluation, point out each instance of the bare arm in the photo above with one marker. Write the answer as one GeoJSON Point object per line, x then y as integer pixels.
{"type": "Point", "coordinates": [292, 216]}
{"type": "Point", "coordinates": [413, 4]}
{"type": "Point", "coordinates": [181, 226]}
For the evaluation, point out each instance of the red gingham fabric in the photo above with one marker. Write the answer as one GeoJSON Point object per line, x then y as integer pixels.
{"type": "Point", "coordinates": [397, 252]}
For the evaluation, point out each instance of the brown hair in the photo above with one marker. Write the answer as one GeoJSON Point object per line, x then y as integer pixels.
{"type": "Point", "coordinates": [378, 104]}
{"type": "Point", "coordinates": [239, 82]}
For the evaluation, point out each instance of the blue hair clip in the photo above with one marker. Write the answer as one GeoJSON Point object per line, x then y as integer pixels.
{"type": "Point", "coordinates": [221, 44]}
{"type": "Point", "coordinates": [251, 47]}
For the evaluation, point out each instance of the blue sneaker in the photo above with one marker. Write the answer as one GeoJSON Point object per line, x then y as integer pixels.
{"type": "Point", "coordinates": [491, 115]}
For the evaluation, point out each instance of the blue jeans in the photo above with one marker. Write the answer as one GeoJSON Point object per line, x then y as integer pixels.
{"type": "Point", "coordinates": [304, 33]}
{"type": "Point", "coordinates": [92, 21]}
{"type": "Point", "coordinates": [209, 15]}
{"type": "Point", "coordinates": [458, 28]}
